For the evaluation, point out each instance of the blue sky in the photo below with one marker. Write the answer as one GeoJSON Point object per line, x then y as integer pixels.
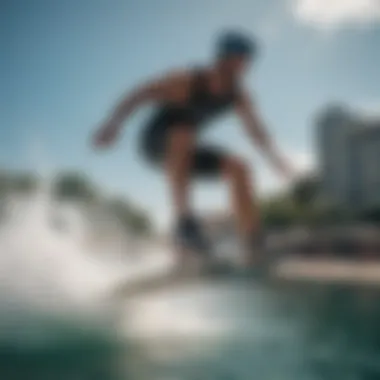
{"type": "Point", "coordinates": [67, 62]}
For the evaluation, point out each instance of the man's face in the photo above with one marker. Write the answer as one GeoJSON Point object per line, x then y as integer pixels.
{"type": "Point", "coordinates": [236, 66]}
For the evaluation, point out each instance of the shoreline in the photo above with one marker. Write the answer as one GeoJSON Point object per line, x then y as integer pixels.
{"type": "Point", "coordinates": [329, 270]}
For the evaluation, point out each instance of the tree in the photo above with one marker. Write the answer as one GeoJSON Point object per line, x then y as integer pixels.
{"type": "Point", "coordinates": [130, 217]}
{"type": "Point", "coordinates": [302, 204]}
{"type": "Point", "coordinates": [16, 182]}
{"type": "Point", "coordinates": [306, 190]}
{"type": "Point", "coordinates": [74, 186]}
{"type": "Point", "coordinates": [278, 211]}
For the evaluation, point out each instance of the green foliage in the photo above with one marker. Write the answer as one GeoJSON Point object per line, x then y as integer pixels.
{"type": "Point", "coordinates": [77, 187]}
{"type": "Point", "coordinates": [16, 182]}
{"type": "Point", "coordinates": [74, 186]}
{"type": "Point", "coordinates": [134, 220]}
{"type": "Point", "coordinates": [278, 211]}
{"type": "Point", "coordinates": [302, 204]}
{"type": "Point", "coordinates": [306, 190]}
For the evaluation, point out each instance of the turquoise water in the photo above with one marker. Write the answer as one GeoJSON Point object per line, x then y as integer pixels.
{"type": "Point", "coordinates": [219, 330]}
{"type": "Point", "coordinates": [245, 331]}
{"type": "Point", "coordinates": [55, 325]}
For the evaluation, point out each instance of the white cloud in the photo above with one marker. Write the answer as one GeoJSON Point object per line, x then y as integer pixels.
{"type": "Point", "coordinates": [330, 14]}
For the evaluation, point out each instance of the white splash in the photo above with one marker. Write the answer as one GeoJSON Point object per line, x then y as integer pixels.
{"type": "Point", "coordinates": [50, 273]}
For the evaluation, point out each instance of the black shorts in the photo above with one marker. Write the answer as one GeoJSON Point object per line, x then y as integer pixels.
{"type": "Point", "coordinates": [207, 161]}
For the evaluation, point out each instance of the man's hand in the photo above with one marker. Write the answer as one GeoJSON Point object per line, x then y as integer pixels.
{"type": "Point", "coordinates": [254, 125]}
{"type": "Point", "coordinates": [280, 164]}
{"type": "Point", "coordinates": [106, 135]}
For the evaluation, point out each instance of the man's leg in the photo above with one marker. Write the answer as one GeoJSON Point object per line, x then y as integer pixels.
{"type": "Point", "coordinates": [244, 203]}
{"type": "Point", "coordinates": [211, 162]}
{"type": "Point", "coordinates": [179, 151]}
{"type": "Point", "coordinates": [180, 155]}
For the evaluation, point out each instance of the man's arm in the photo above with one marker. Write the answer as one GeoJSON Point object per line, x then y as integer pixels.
{"type": "Point", "coordinates": [258, 132]}
{"type": "Point", "coordinates": [170, 88]}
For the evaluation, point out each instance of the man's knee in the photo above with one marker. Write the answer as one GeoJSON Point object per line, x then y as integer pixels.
{"type": "Point", "coordinates": [236, 169]}
{"type": "Point", "coordinates": [181, 138]}
{"type": "Point", "coordinates": [180, 149]}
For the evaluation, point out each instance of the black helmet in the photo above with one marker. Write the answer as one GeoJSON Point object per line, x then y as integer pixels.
{"type": "Point", "coordinates": [233, 43]}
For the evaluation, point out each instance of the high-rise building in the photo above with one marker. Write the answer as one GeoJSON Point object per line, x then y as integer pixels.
{"type": "Point", "coordinates": [349, 155]}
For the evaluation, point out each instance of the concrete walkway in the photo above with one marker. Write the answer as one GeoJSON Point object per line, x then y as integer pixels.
{"type": "Point", "coordinates": [329, 270]}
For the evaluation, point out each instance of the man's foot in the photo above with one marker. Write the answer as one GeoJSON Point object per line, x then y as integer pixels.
{"type": "Point", "coordinates": [190, 237]}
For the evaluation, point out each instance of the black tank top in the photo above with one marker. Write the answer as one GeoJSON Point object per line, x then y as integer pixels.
{"type": "Point", "coordinates": [204, 105]}
{"type": "Point", "coordinates": [201, 107]}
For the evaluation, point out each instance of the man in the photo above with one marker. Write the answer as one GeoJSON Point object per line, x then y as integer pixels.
{"type": "Point", "coordinates": [187, 101]}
